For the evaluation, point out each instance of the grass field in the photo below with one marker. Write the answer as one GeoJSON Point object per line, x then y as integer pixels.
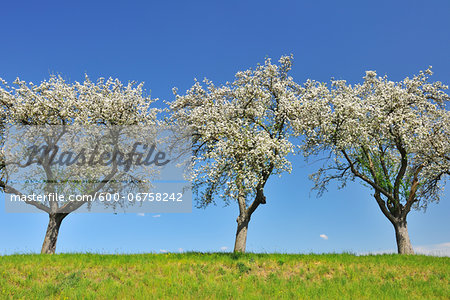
{"type": "Point", "coordinates": [224, 275]}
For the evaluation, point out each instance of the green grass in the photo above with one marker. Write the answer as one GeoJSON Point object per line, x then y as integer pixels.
{"type": "Point", "coordinates": [224, 275]}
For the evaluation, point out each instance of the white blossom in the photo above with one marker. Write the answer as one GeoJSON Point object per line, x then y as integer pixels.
{"type": "Point", "coordinates": [395, 136]}
{"type": "Point", "coordinates": [240, 130]}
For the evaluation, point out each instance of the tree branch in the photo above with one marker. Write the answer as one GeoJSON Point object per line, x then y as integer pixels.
{"type": "Point", "coordinates": [412, 194]}
{"type": "Point", "coordinates": [402, 171]}
{"type": "Point", "coordinates": [365, 178]}
{"type": "Point", "coordinates": [382, 204]}
{"type": "Point", "coordinates": [10, 190]}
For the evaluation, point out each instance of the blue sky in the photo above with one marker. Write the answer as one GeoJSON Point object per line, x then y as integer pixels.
{"type": "Point", "coordinates": [168, 44]}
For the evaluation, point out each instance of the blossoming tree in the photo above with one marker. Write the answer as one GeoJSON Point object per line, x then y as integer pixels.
{"type": "Point", "coordinates": [55, 102]}
{"type": "Point", "coordinates": [393, 136]}
{"type": "Point", "coordinates": [240, 134]}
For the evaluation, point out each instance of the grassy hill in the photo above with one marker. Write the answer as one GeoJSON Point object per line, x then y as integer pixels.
{"type": "Point", "coordinates": [224, 275]}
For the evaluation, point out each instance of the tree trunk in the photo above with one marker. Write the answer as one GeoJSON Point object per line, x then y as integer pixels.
{"type": "Point", "coordinates": [401, 234]}
{"type": "Point", "coordinates": [241, 234]}
{"type": "Point", "coordinates": [51, 236]}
